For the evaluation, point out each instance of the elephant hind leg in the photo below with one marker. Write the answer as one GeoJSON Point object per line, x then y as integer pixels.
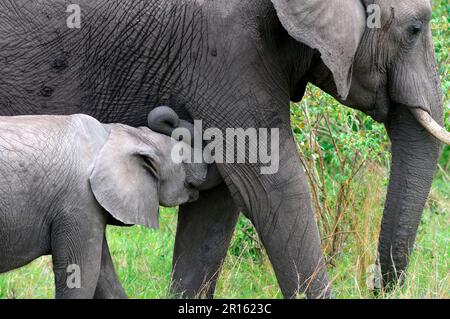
{"type": "Point", "coordinates": [108, 286]}
{"type": "Point", "coordinates": [204, 232]}
{"type": "Point", "coordinates": [76, 252]}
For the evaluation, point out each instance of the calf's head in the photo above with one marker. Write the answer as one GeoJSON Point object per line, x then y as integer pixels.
{"type": "Point", "coordinates": [134, 173]}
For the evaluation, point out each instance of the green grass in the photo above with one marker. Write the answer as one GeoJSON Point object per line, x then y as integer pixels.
{"type": "Point", "coordinates": [143, 260]}
{"type": "Point", "coordinates": [353, 197]}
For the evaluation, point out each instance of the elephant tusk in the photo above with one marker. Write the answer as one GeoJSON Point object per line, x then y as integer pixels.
{"type": "Point", "coordinates": [431, 125]}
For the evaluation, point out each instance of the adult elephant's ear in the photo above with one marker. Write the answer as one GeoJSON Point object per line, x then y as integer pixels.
{"type": "Point", "coordinates": [125, 177]}
{"type": "Point", "coordinates": [333, 27]}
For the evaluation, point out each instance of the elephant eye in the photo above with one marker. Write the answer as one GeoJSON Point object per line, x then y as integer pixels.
{"type": "Point", "coordinates": [416, 29]}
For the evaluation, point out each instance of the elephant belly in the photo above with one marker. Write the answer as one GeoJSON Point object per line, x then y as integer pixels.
{"type": "Point", "coordinates": [21, 241]}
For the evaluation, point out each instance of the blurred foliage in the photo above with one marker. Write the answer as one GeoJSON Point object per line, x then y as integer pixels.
{"type": "Point", "coordinates": [441, 37]}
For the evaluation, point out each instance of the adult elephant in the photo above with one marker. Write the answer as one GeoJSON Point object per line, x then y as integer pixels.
{"type": "Point", "coordinates": [238, 64]}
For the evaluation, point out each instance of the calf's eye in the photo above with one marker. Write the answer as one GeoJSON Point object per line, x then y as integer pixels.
{"type": "Point", "coordinates": [416, 29]}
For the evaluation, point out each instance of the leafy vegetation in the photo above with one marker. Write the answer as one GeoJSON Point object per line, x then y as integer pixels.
{"type": "Point", "coordinates": [346, 156]}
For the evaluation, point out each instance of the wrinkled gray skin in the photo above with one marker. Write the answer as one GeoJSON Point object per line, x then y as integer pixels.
{"type": "Point", "coordinates": [64, 178]}
{"type": "Point", "coordinates": [238, 64]}
{"type": "Point", "coordinates": [165, 120]}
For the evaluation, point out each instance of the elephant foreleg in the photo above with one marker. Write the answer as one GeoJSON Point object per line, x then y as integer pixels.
{"type": "Point", "coordinates": [108, 286]}
{"type": "Point", "coordinates": [76, 250]}
{"type": "Point", "coordinates": [279, 205]}
{"type": "Point", "coordinates": [204, 231]}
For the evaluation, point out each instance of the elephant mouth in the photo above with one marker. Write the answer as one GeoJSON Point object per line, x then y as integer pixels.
{"type": "Point", "coordinates": [382, 104]}
{"type": "Point", "coordinates": [377, 107]}
{"type": "Point", "coordinates": [193, 196]}
{"type": "Point", "coordinates": [377, 115]}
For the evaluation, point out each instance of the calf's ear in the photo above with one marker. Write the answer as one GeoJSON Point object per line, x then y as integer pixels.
{"type": "Point", "coordinates": [333, 27]}
{"type": "Point", "coordinates": [125, 178]}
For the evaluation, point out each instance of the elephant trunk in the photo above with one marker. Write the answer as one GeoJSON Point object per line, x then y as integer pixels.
{"type": "Point", "coordinates": [415, 129]}
{"type": "Point", "coordinates": [213, 177]}
{"type": "Point", "coordinates": [165, 120]}
{"type": "Point", "coordinates": [415, 153]}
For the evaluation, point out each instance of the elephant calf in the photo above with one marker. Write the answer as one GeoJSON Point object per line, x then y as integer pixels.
{"type": "Point", "coordinates": [64, 178]}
